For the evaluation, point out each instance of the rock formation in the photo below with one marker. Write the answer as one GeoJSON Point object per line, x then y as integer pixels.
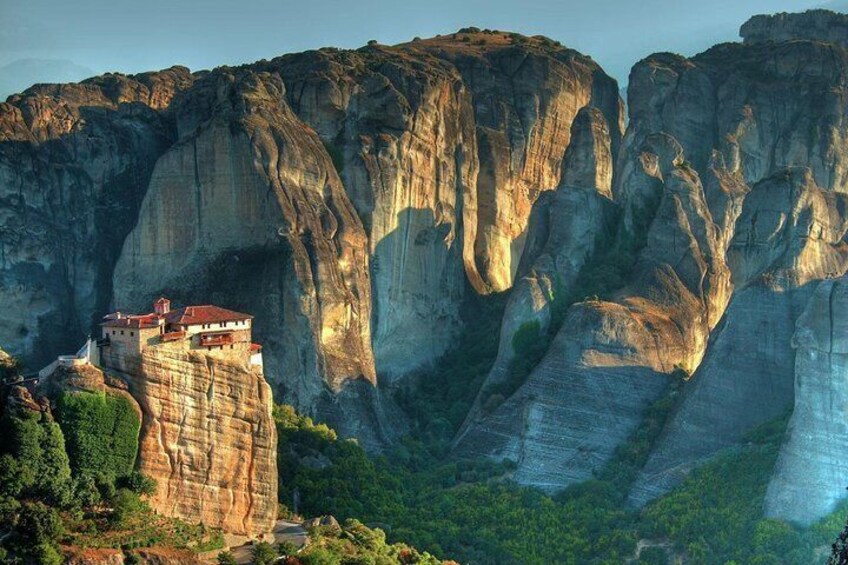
{"type": "Point", "coordinates": [813, 25]}
{"type": "Point", "coordinates": [565, 228]}
{"type": "Point", "coordinates": [746, 377]}
{"type": "Point", "coordinates": [443, 145]}
{"type": "Point", "coordinates": [809, 478]}
{"type": "Point", "coordinates": [247, 202]}
{"type": "Point", "coordinates": [565, 422]}
{"type": "Point", "coordinates": [74, 165]}
{"type": "Point", "coordinates": [722, 107]}
{"type": "Point", "coordinates": [208, 439]}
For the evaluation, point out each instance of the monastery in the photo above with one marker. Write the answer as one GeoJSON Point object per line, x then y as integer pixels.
{"type": "Point", "coordinates": [209, 329]}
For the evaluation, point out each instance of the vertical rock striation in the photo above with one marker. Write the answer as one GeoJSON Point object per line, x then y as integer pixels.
{"type": "Point", "coordinates": [208, 439]}
{"type": "Point", "coordinates": [809, 478]}
{"type": "Point", "coordinates": [443, 146]}
{"type": "Point", "coordinates": [247, 202]}
{"type": "Point", "coordinates": [790, 234]}
{"type": "Point", "coordinates": [608, 361]}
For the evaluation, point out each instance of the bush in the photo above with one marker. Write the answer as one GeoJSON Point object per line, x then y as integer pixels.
{"type": "Point", "coordinates": [226, 558]}
{"type": "Point", "coordinates": [38, 524]}
{"type": "Point", "coordinates": [33, 462]}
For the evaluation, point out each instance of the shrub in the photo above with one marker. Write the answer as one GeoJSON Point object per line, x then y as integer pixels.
{"type": "Point", "coordinates": [125, 506]}
{"type": "Point", "coordinates": [226, 558]}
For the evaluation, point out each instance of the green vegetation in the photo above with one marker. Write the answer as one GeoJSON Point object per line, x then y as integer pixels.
{"type": "Point", "coordinates": [101, 432]}
{"type": "Point", "coordinates": [444, 395]}
{"type": "Point", "coordinates": [349, 544]}
{"type": "Point", "coordinates": [472, 512]}
{"type": "Point", "coordinates": [80, 489]}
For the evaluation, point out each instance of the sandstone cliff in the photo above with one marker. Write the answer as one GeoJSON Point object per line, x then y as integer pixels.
{"type": "Point", "coordinates": [207, 435]}
{"type": "Point", "coordinates": [746, 377]}
{"type": "Point", "coordinates": [565, 421]}
{"type": "Point", "coordinates": [208, 439]}
{"type": "Point", "coordinates": [247, 205]}
{"type": "Point", "coordinates": [443, 145]}
{"type": "Point", "coordinates": [747, 116]}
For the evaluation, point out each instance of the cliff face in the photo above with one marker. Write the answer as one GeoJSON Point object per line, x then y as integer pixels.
{"type": "Point", "coordinates": [443, 145]}
{"type": "Point", "coordinates": [763, 125]}
{"type": "Point", "coordinates": [208, 439]}
{"type": "Point", "coordinates": [809, 477]}
{"type": "Point", "coordinates": [207, 435]}
{"type": "Point", "coordinates": [74, 164]}
{"type": "Point", "coordinates": [349, 198]}
{"type": "Point", "coordinates": [728, 180]}
{"type": "Point", "coordinates": [247, 203]}
{"type": "Point", "coordinates": [747, 374]}
{"type": "Point", "coordinates": [561, 424]}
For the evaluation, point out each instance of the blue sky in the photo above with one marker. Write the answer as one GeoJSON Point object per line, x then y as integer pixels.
{"type": "Point", "coordinates": [116, 35]}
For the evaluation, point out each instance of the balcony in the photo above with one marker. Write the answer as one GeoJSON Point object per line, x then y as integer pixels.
{"type": "Point", "coordinates": [172, 336]}
{"type": "Point", "coordinates": [211, 340]}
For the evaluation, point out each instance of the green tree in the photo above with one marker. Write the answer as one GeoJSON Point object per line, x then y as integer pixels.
{"type": "Point", "coordinates": [263, 553]}
{"type": "Point", "coordinates": [226, 558]}
{"type": "Point", "coordinates": [101, 432]}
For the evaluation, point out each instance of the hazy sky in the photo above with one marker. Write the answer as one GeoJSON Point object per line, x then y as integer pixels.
{"type": "Point", "coordinates": [117, 35]}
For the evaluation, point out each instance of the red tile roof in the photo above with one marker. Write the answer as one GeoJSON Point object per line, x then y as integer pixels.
{"type": "Point", "coordinates": [206, 314]}
{"type": "Point", "coordinates": [255, 348]}
{"type": "Point", "coordinates": [125, 321]}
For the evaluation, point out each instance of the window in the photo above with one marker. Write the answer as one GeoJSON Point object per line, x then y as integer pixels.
{"type": "Point", "coordinates": [132, 334]}
{"type": "Point", "coordinates": [122, 332]}
{"type": "Point", "coordinates": [113, 332]}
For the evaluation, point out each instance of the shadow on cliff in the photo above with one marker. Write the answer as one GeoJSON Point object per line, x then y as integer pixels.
{"type": "Point", "coordinates": [82, 225]}
{"type": "Point", "coordinates": [417, 286]}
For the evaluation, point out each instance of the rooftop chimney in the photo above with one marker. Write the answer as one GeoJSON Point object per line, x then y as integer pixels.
{"type": "Point", "coordinates": [162, 306]}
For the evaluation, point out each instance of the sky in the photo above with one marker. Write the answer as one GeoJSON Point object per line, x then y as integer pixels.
{"type": "Point", "coordinates": [135, 36]}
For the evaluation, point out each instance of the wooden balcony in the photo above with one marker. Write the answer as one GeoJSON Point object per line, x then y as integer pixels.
{"type": "Point", "coordinates": [211, 340]}
{"type": "Point", "coordinates": [172, 336]}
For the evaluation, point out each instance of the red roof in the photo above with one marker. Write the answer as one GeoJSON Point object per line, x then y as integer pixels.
{"type": "Point", "coordinates": [206, 314]}
{"type": "Point", "coordinates": [142, 321]}
{"type": "Point", "coordinates": [255, 348]}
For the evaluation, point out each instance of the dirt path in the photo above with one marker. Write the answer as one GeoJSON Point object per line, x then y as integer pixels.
{"type": "Point", "coordinates": [283, 531]}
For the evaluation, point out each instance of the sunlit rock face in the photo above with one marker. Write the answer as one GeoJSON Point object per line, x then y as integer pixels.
{"type": "Point", "coordinates": [443, 146]}
{"type": "Point", "coordinates": [565, 228]}
{"type": "Point", "coordinates": [75, 160]}
{"type": "Point", "coordinates": [809, 478]}
{"type": "Point", "coordinates": [349, 199]}
{"type": "Point", "coordinates": [762, 123]}
{"type": "Point", "coordinates": [563, 423]}
{"type": "Point", "coordinates": [208, 439]}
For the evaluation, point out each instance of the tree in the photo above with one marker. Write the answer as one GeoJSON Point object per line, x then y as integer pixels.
{"type": "Point", "coordinates": [140, 483]}
{"type": "Point", "coordinates": [263, 554]}
{"type": "Point", "coordinates": [226, 558]}
{"type": "Point", "coordinates": [125, 505]}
